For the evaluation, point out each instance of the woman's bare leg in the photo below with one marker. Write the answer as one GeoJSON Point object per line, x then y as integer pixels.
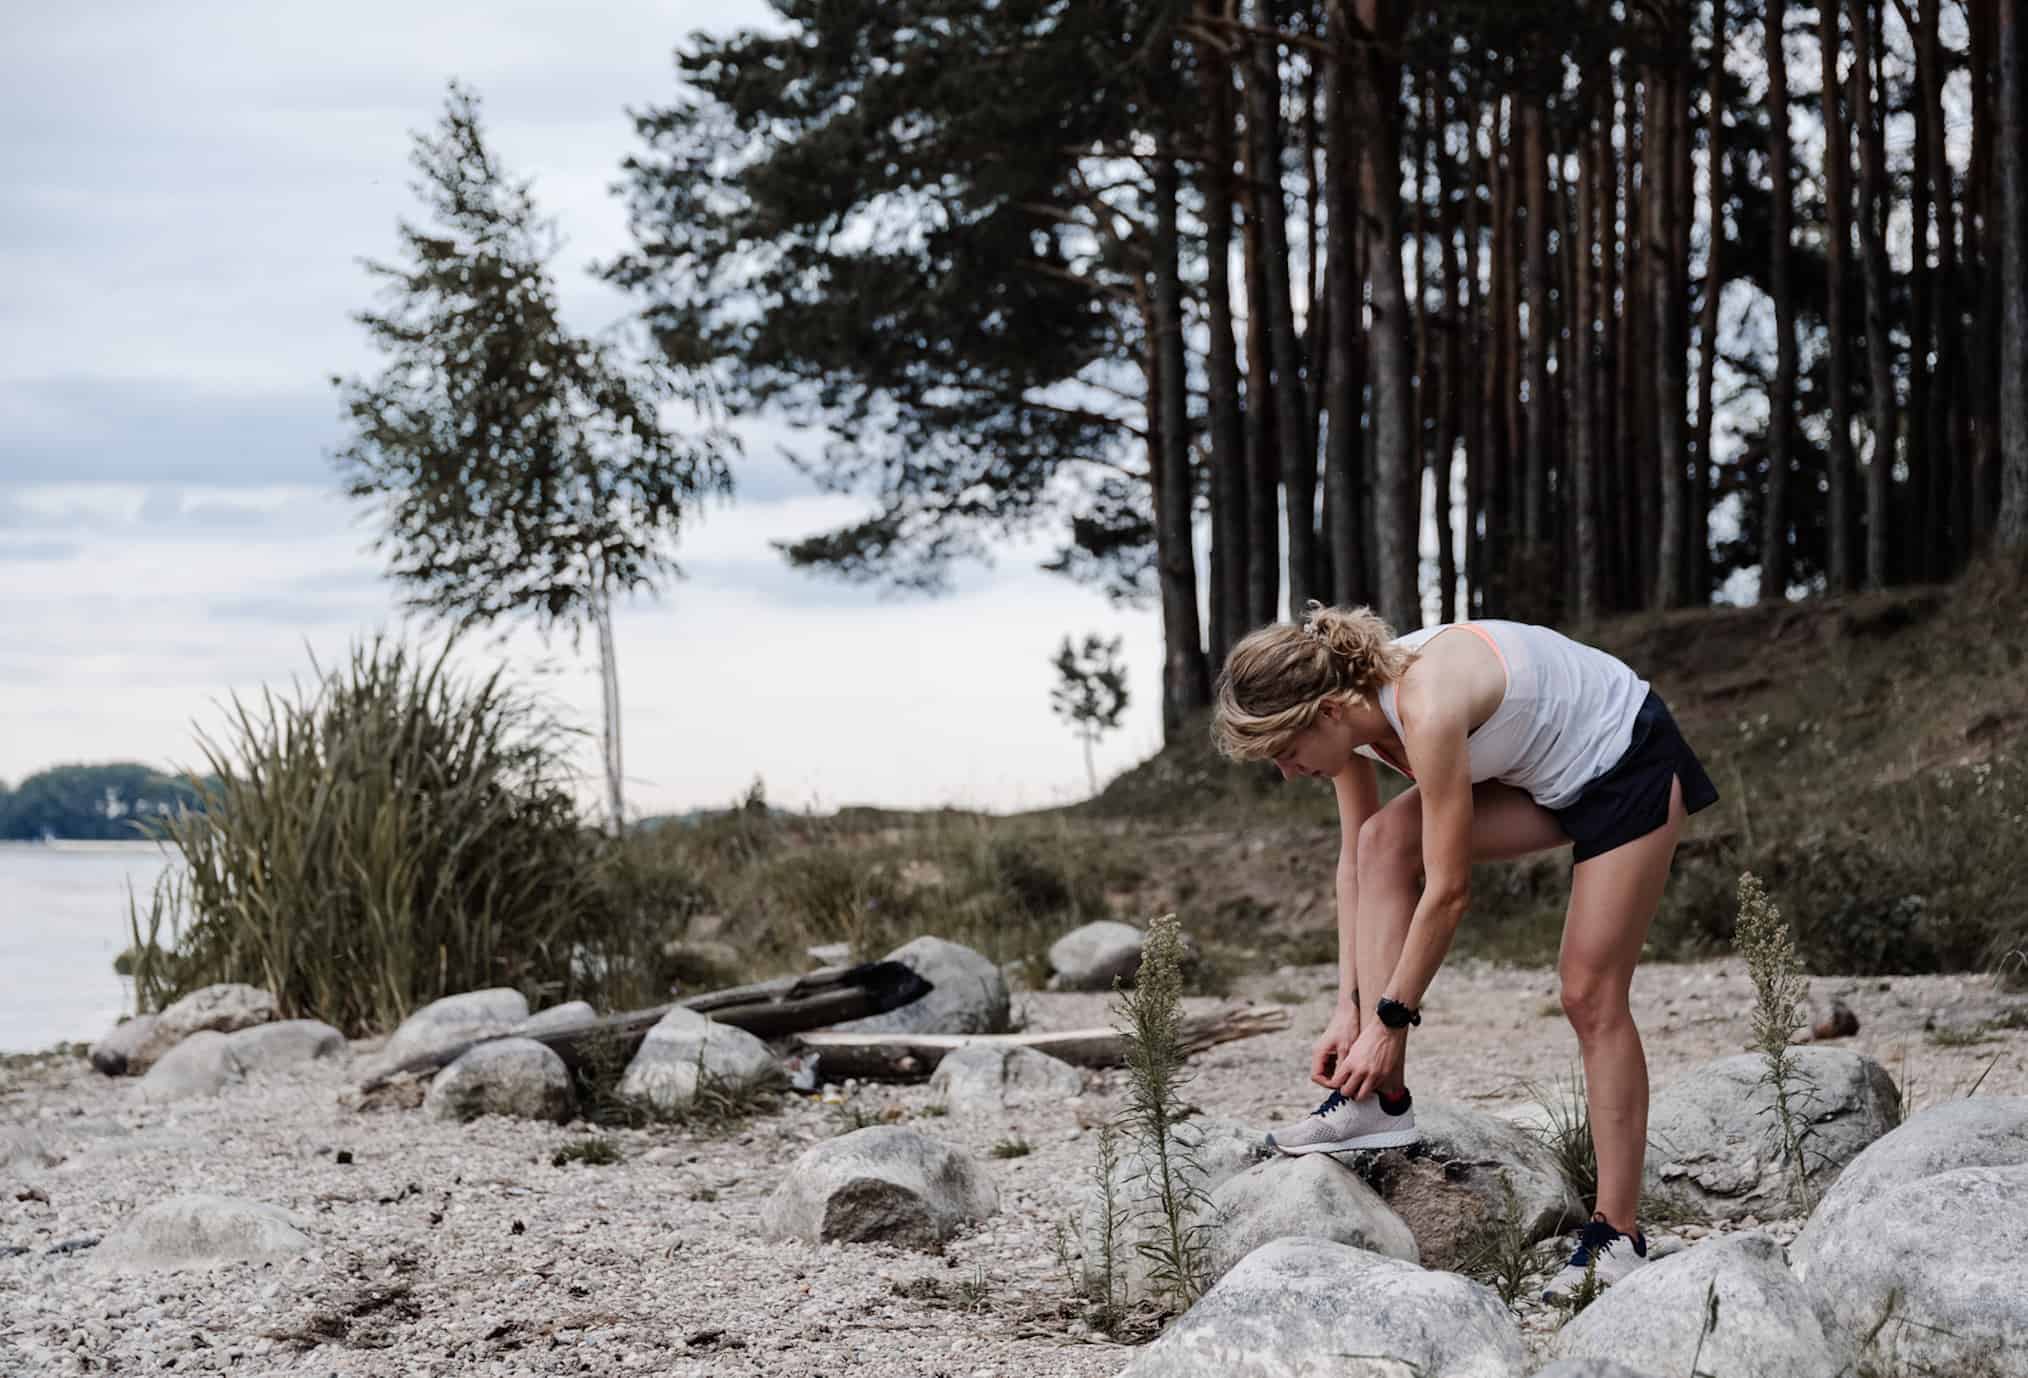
{"type": "Point", "coordinates": [1612, 901]}
{"type": "Point", "coordinates": [1506, 823]}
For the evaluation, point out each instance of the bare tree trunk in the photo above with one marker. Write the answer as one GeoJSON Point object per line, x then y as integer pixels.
{"type": "Point", "coordinates": [1498, 398]}
{"type": "Point", "coordinates": [1473, 345]}
{"type": "Point", "coordinates": [1450, 295]}
{"type": "Point", "coordinates": [1982, 248]}
{"type": "Point", "coordinates": [1394, 468]}
{"type": "Point", "coordinates": [1838, 240]}
{"type": "Point", "coordinates": [1228, 489]}
{"type": "Point", "coordinates": [1343, 482]}
{"type": "Point", "coordinates": [1535, 190]}
{"type": "Point", "coordinates": [1707, 328]}
{"type": "Point", "coordinates": [1188, 683]}
{"type": "Point", "coordinates": [1630, 423]}
{"type": "Point", "coordinates": [1665, 289]}
{"type": "Point", "coordinates": [2012, 237]}
{"type": "Point", "coordinates": [1872, 191]}
{"type": "Point", "coordinates": [1419, 427]}
{"type": "Point", "coordinates": [1298, 455]}
{"type": "Point", "coordinates": [1583, 366]}
{"type": "Point", "coordinates": [1614, 537]}
{"type": "Point", "coordinates": [1949, 477]}
{"type": "Point", "coordinates": [1263, 465]}
{"type": "Point", "coordinates": [1774, 535]}
{"type": "Point", "coordinates": [609, 684]}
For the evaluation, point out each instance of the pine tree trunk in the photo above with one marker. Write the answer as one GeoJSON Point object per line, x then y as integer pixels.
{"type": "Point", "coordinates": [1583, 366]}
{"type": "Point", "coordinates": [1665, 291]}
{"type": "Point", "coordinates": [1450, 295]}
{"type": "Point", "coordinates": [1707, 327]}
{"type": "Point", "coordinates": [1535, 269]}
{"type": "Point", "coordinates": [1344, 398]}
{"type": "Point", "coordinates": [1472, 338]}
{"type": "Point", "coordinates": [1298, 456]}
{"type": "Point", "coordinates": [1230, 613]}
{"type": "Point", "coordinates": [1497, 400]}
{"type": "Point", "coordinates": [1188, 682]}
{"type": "Point", "coordinates": [1838, 241]}
{"type": "Point", "coordinates": [2011, 535]}
{"type": "Point", "coordinates": [1613, 537]}
{"type": "Point", "coordinates": [1873, 253]}
{"type": "Point", "coordinates": [1949, 476]}
{"type": "Point", "coordinates": [1774, 535]}
{"type": "Point", "coordinates": [1395, 525]}
{"type": "Point", "coordinates": [609, 685]}
{"type": "Point", "coordinates": [1263, 465]}
{"type": "Point", "coordinates": [1982, 262]}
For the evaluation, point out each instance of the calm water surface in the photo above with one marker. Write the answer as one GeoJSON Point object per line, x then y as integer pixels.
{"type": "Point", "coordinates": [63, 918]}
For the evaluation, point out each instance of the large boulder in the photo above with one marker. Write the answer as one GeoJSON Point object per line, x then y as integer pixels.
{"type": "Point", "coordinates": [1312, 1195]}
{"type": "Point", "coordinates": [1661, 1316]}
{"type": "Point", "coordinates": [515, 1077]}
{"type": "Point", "coordinates": [984, 1077]}
{"type": "Point", "coordinates": [1932, 1270]}
{"type": "Point", "coordinates": [1469, 1175]}
{"type": "Point", "coordinates": [1206, 1154]}
{"type": "Point", "coordinates": [223, 1008]}
{"type": "Point", "coordinates": [201, 1231]}
{"type": "Point", "coordinates": [1715, 1147]}
{"type": "Point", "coordinates": [969, 995]}
{"type": "Point", "coordinates": [116, 1053]}
{"type": "Point", "coordinates": [1311, 1308]}
{"type": "Point", "coordinates": [1979, 1131]}
{"type": "Point", "coordinates": [201, 1065]}
{"type": "Point", "coordinates": [1591, 1368]}
{"type": "Point", "coordinates": [883, 1183]}
{"type": "Point", "coordinates": [284, 1043]}
{"type": "Point", "coordinates": [556, 1017]}
{"type": "Point", "coordinates": [443, 1024]}
{"type": "Point", "coordinates": [1095, 955]}
{"type": "Point", "coordinates": [687, 1053]}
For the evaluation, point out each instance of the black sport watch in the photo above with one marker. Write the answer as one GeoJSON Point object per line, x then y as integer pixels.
{"type": "Point", "coordinates": [1396, 1015]}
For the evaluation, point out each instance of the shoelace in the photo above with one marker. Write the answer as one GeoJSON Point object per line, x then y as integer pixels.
{"type": "Point", "coordinates": [1331, 1102]}
{"type": "Point", "coordinates": [1596, 1237]}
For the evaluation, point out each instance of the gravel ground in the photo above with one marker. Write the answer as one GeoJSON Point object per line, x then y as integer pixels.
{"type": "Point", "coordinates": [449, 1249]}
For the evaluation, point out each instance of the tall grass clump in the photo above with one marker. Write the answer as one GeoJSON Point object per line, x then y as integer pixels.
{"type": "Point", "coordinates": [1779, 992]}
{"type": "Point", "coordinates": [1151, 1016]}
{"type": "Point", "coordinates": [390, 834]}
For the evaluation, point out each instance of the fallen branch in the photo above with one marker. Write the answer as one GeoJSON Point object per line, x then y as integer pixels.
{"type": "Point", "coordinates": [908, 1057]}
{"type": "Point", "coordinates": [766, 1009]}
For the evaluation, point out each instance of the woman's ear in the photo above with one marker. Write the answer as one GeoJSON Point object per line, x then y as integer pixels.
{"type": "Point", "coordinates": [1330, 708]}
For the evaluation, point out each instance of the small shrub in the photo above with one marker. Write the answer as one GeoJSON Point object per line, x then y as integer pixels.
{"type": "Point", "coordinates": [1780, 991]}
{"type": "Point", "coordinates": [1012, 1147]}
{"type": "Point", "coordinates": [592, 1152]}
{"type": "Point", "coordinates": [1566, 1133]}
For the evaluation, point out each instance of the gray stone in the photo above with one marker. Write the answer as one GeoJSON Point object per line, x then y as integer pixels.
{"type": "Point", "coordinates": [1312, 1195]}
{"type": "Point", "coordinates": [515, 1077]}
{"type": "Point", "coordinates": [556, 1017]}
{"type": "Point", "coordinates": [686, 1051]}
{"type": "Point", "coordinates": [223, 1008]}
{"type": "Point", "coordinates": [1471, 1170]}
{"type": "Point", "coordinates": [115, 1053]}
{"type": "Point", "coordinates": [1310, 1308]}
{"type": "Point", "coordinates": [1591, 1368]}
{"type": "Point", "coordinates": [443, 1024]}
{"type": "Point", "coordinates": [285, 1043]}
{"type": "Point", "coordinates": [1659, 1316]}
{"type": "Point", "coordinates": [1980, 1131]}
{"type": "Point", "coordinates": [1933, 1266]}
{"type": "Point", "coordinates": [970, 995]}
{"type": "Point", "coordinates": [883, 1183]}
{"type": "Point", "coordinates": [1094, 956]}
{"type": "Point", "coordinates": [23, 1147]}
{"type": "Point", "coordinates": [1714, 1146]}
{"type": "Point", "coordinates": [201, 1065]}
{"type": "Point", "coordinates": [1207, 1154]}
{"type": "Point", "coordinates": [200, 1231]}
{"type": "Point", "coordinates": [983, 1077]}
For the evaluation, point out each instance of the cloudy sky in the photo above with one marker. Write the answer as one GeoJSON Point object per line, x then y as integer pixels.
{"type": "Point", "coordinates": [184, 196]}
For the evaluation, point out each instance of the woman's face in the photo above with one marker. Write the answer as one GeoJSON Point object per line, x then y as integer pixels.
{"type": "Point", "coordinates": [1320, 750]}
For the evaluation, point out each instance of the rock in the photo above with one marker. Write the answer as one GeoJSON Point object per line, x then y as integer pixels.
{"type": "Point", "coordinates": [1312, 1195]}
{"type": "Point", "coordinates": [516, 1077]}
{"type": "Point", "coordinates": [1094, 956]}
{"type": "Point", "coordinates": [285, 1043]}
{"type": "Point", "coordinates": [1454, 1187]}
{"type": "Point", "coordinates": [556, 1017]}
{"type": "Point", "coordinates": [1303, 1307]}
{"type": "Point", "coordinates": [445, 1023]}
{"type": "Point", "coordinates": [201, 1065]}
{"type": "Point", "coordinates": [1932, 1269]}
{"type": "Point", "coordinates": [223, 1008]}
{"type": "Point", "coordinates": [987, 1078]}
{"type": "Point", "coordinates": [701, 964]}
{"type": "Point", "coordinates": [23, 1147]}
{"type": "Point", "coordinates": [970, 995]}
{"type": "Point", "coordinates": [114, 1054]}
{"type": "Point", "coordinates": [198, 1231]}
{"type": "Point", "coordinates": [1980, 1131]}
{"type": "Point", "coordinates": [687, 1050]}
{"type": "Point", "coordinates": [882, 1183]}
{"type": "Point", "coordinates": [1658, 1316]}
{"type": "Point", "coordinates": [1590, 1368]}
{"type": "Point", "coordinates": [1714, 1147]}
{"type": "Point", "coordinates": [1211, 1152]}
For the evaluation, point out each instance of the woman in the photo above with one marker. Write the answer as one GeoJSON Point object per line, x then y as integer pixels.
{"type": "Point", "coordinates": [1518, 740]}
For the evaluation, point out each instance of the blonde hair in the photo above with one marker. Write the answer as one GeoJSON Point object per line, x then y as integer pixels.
{"type": "Point", "coordinates": [1279, 676]}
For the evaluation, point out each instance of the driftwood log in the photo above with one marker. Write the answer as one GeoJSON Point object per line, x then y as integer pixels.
{"type": "Point", "coordinates": [910, 1057]}
{"type": "Point", "coordinates": [765, 1009]}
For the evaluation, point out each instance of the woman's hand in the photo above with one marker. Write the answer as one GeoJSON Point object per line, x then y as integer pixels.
{"type": "Point", "coordinates": [1374, 1061]}
{"type": "Point", "coordinates": [1327, 1054]}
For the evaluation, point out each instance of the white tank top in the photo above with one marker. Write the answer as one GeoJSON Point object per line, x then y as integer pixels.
{"type": "Point", "coordinates": [1566, 719]}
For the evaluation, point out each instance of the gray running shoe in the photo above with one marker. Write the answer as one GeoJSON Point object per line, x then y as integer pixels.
{"type": "Point", "coordinates": [1344, 1126]}
{"type": "Point", "coordinates": [1603, 1254]}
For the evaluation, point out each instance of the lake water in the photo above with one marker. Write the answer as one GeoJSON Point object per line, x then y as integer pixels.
{"type": "Point", "coordinates": [63, 919]}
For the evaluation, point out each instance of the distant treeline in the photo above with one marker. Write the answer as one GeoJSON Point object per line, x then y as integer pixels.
{"type": "Point", "coordinates": [91, 802]}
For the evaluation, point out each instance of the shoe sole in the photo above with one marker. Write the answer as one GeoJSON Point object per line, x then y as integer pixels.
{"type": "Point", "coordinates": [1392, 1138]}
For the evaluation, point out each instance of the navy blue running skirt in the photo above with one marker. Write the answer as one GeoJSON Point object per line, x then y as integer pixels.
{"type": "Point", "coordinates": [1632, 799]}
